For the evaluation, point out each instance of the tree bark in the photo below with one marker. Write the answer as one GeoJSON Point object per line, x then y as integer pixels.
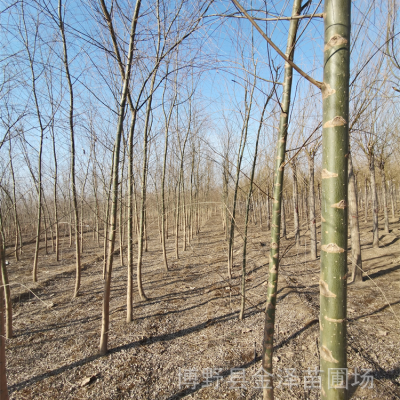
{"type": "Point", "coordinates": [335, 149]}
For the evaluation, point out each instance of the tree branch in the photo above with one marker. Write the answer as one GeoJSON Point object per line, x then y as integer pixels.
{"type": "Point", "coordinates": [320, 85]}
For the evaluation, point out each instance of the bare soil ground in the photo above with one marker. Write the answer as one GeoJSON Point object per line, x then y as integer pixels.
{"type": "Point", "coordinates": [189, 329]}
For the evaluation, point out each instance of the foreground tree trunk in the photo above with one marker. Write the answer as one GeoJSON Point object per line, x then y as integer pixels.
{"type": "Point", "coordinates": [113, 214]}
{"type": "Point", "coordinates": [335, 146]}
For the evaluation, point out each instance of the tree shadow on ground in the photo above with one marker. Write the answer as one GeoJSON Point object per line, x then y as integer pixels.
{"type": "Point", "coordinates": [143, 342]}
{"type": "Point", "coordinates": [382, 272]}
{"type": "Point", "coordinates": [228, 372]}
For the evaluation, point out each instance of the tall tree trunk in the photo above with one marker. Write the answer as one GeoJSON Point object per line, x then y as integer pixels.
{"type": "Point", "coordinates": [268, 213]}
{"type": "Point", "coordinates": [311, 204]}
{"type": "Point", "coordinates": [356, 275]}
{"type": "Point", "coordinates": [113, 216]}
{"type": "Point", "coordinates": [242, 145]}
{"type": "Point", "coordinates": [106, 221]}
{"type": "Point", "coordinates": [39, 178]}
{"type": "Point", "coordinates": [72, 142]}
{"type": "Point", "coordinates": [14, 200]}
{"type": "Point", "coordinates": [335, 149]}
{"type": "Point", "coordinates": [5, 282]}
{"type": "Point", "coordinates": [366, 201]}
{"type": "Point", "coordinates": [181, 183]}
{"type": "Point", "coordinates": [243, 285]}
{"type": "Point", "coordinates": [164, 171]}
{"type": "Point", "coordinates": [374, 195]}
{"type": "Point", "coordinates": [269, 328]}
{"type": "Point", "coordinates": [225, 176]}
{"type": "Point", "coordinates": [283, 219]}
{"type": "Point", "coordinates": [384, 195]}
{"type": "Point", "coordinates": [296, 224]}
{"type": "Point", "coordinates": [3, 376]}
{"type": "Point", "coordinates": [120, 215]}
{"type": "Point", "coordinates": [392, 199]}
{"type": "Point", "coordinates": [142, 233]}
{"type": "Point", "coordinates": [131, 213]}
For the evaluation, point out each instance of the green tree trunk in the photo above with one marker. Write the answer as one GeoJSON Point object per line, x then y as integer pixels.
{"type": "Point", "coordinates": [335, 151]}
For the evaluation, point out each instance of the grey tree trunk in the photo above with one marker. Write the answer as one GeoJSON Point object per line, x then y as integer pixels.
{"type": "Point", "coordinates": [14, 200]}
{"type": "Point", "coordinates": [296, 229]}
{"type": "Point", "coordinates": [384, 195]}
{"type": "Point", "coordinates": [5, 282]}
{"type": "Point", "coordinates": [354, 227]}
{"type": "Point", "coordinates": [131, 213]}
{"type": "Point", "coordinates": [113, 214]}
{"type": "Point", "coordinates": [374, 196]}
{"type": "Point", "coordinates": [311, 204]}
{"type": "Point", "coordinates": [3, 376]}
{"type": "Point", "coordinates": [366, 201]}
{"type": "Point", "coordinates": [39, 173]}
{"type": "Point", "coordinates": [55, 202]}
{"type": "Point", "coordinates": [242, 145]}
{"type": "Point", "coordinates": [283, 219]}
{"type": "Point", "coordinates": [72, 142]}
{"type": "Point", "coordinates": [243, 284]}
{"type": "Point", "coordinates": [392, 199]}
{"type": "Point", "coordinates": [142, 233]}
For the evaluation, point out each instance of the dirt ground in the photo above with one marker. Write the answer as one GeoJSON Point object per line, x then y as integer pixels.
{"type": "Point", "coordinates": [187, 341]}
